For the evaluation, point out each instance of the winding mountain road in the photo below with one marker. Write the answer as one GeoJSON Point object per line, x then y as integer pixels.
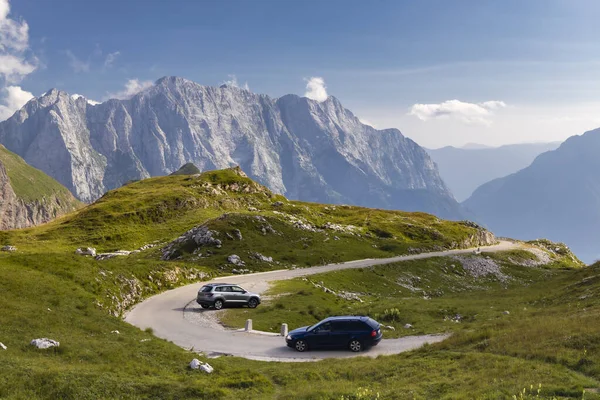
{"type": "Point", "coordinates": [174, 316]}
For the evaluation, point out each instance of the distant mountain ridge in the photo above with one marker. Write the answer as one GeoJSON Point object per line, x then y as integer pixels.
{"type": "Point", "coordinates": [465, 169]}
{"type": "Point", "coordinates": [28, 196]}
{"type": "Point", "coordinates": [557, 196]}
{"type": "Point", "coordinates": [304, 149]}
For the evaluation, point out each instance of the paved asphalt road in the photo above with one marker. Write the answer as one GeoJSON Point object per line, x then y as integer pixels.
{"type": "Point", "coordinates": [166, 313]}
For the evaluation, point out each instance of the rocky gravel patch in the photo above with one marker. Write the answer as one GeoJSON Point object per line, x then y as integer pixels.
{"type": "Point", "coordinates": [481, 267]}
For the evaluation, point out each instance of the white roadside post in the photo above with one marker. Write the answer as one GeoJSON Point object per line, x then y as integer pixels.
{"type": "Point", "coordinates": [284, 330]}
{"type": "Point", "coordinates": [248, 325]}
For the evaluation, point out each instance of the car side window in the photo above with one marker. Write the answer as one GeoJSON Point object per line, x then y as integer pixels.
{"type": "Point", "coordinates": [339, 326]}
{"type": "Point", "coordinates": [326, 327]}
{"type": "Point", "coordinates": [237, 289]}
{"type": "Point", "coordinates": [359, 326]}
{"type": "Point", "coordinates": [218, 289]}
{"type": "Point", "coordinates": [226, 289]}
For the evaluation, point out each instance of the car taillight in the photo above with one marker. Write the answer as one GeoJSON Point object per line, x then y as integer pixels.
{"type": "Point", "coordinates": [374, 333]}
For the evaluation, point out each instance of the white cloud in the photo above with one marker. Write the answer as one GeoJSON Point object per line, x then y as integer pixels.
{"type": "Point", "coordinates": [77, 64]}
{"type": "Point", "coordinates": [469, 113]}
{"type": "Point", "coordinates": [15, 99]}
{"type": "Point", "coordinates": [132, 87]}
{"type": "Point", "coordinates": [367, 122]}
{"type": "Point", "coordinates": [232, 81]}
{"type": "Point", "coordinates": [110, 59]}
{"type": "Point", "coordinates": [77, 96]}
{"type": "Point", "coordinates": [316, 89]}
{"type": "Point", "coordinates": [15, 60]}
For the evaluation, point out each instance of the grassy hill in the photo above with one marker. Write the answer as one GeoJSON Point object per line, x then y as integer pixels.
{"type": "Point", "coordinates": [47, 290]}
{"type": "Point", "coordinates": [31, 184]}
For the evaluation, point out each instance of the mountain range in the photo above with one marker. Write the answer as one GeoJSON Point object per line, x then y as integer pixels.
{"type": "Point", "coordinates": [557, 196]}
{"type": "Point", "coordinates": [298, 147]}
{"type": "Point", "coordinates": [465, 169]}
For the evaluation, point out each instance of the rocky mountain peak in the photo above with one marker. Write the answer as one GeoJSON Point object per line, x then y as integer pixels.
{"type": "Point", "coordinates": [302, 148]}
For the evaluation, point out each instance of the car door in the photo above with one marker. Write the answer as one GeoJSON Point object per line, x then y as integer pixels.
{"type": "Point", "coordinates": [340, 333]}
{"type": "Point", "coordinates": [320, 336]}
{"type": "Point", "coordinates": [239, 295]}
{"type": "Point", "coordinates": [226, 293]}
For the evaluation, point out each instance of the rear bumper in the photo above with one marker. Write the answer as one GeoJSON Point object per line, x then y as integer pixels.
{"type": "Point", "coordinates": [204, 301]}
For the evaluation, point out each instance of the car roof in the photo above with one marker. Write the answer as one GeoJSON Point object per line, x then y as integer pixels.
{"type": "Point", "coordinates": [221, 284]}
{"type": "Point", "coordinates": [346, 318]}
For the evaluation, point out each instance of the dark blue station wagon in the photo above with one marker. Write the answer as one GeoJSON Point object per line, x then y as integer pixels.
{"type": "Point", "coordinates": [352, 332]}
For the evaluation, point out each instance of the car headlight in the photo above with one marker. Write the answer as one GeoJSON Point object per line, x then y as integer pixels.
{"type": "Point", "coordinates": [288, 337]}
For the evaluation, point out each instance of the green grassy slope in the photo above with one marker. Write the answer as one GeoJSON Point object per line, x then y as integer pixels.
{"type": "Point", "coordinates": [48, 291]}
{"type": "Point", "coordinates": [31, 184]}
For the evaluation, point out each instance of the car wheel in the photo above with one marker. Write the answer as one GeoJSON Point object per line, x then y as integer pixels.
{"type": "Point", "coordinates": [204, 305]}
{"type": "Point", "coordinates": [252, 303]}
{"type": "Point", "coordinates": [355, 345]}
{"type": "Point", "coordinates": [218, 304]}
{"type": "Point", "coordinates": [301, 345]}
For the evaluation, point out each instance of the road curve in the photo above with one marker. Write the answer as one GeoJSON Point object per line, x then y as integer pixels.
{"type": "Point", "coordinates": [164, 313]}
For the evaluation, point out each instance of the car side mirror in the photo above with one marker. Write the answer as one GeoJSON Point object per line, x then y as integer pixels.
{"type": "Point", "coordinates": [244, 291]}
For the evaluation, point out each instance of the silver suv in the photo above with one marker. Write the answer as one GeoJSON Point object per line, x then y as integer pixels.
{"type": "Point", "coordinates": [218, 295]}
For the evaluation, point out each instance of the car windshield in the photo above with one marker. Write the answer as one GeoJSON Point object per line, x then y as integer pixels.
{"type": "Point", "coordinates": [206, 289]}
{"type": "Point", "coordinates": [310, 328]}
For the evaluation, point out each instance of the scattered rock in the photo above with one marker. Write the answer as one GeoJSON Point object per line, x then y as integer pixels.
{"type": "Point", "coordinates": [87, 251]}
{"type": "Point", "coordinates": [262, 258]}
{"type": "Point", "coordinates": [197, 364]}
{"type": "Point", "coordinates": [277, 204]}
{"type": "Point", "coordinates": [457, 318]}
{"type": "Point", "coordinates": [2, 346]}
{"type": "Point", "coordinates": [147, 246]}
{"type": "Point", "coordinates": [240, 271]}
{"type": "Point", "coordinates": [201, 236]}
{"type": "Point", "coordinates": [506, 312]}
{"type": "Point", "coordinates": [408, 326]}
{"type": "Point", "coordinates": [44, 343]}
{"type": "Point", "coordinates": [336, 238]}
{"type": "Point", "coordinates": [235, 260]}
{"type": "Point", "coordinates": [238, 234]}
{"type": "Point", "coordinates": [350, 229]}
{"type": "Point", "coordinates": [116, 332]}
{"type": "Point", "coordinates": [9, 248]}
{"type": "Point", "coordinates": [391, 328]}
{"type": "Point", "coordinates": [252, 209]}
{"type": "Point", "coordinates": [145, 340]}
{"type": "Point", "coordinates": [349, 296]}
{"type": "Point", "coordinates": [118, 253]}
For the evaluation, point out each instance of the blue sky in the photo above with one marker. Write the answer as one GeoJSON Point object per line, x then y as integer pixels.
{"type": "Point", "coordinates": [443, 72]}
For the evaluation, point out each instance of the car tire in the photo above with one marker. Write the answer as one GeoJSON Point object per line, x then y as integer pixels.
{"type": "Point", "coordinates": [252, 303]}
{"type": "Point", "coordinates": [204, 306]}
{"type": "Point", "coordinates": [301, 345]}
{"type": "Point", "coordinates": [218, 304]}
{"type": "Point", "coordinates": [355, 345]}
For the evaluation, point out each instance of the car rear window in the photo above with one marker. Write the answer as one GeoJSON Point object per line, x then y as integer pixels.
{"type": "Point", "coordinates": [206, 289]}
{"type": "Point", "coordinates": [372, 323]}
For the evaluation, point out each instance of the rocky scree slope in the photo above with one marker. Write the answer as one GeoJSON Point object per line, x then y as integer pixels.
{"type": "Point", "coordinates": [301, 148]}
{"type": "Point", "coordinates": [28, 196]}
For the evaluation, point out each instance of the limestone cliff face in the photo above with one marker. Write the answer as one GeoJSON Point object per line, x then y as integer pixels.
{"type": "Point", "coordinates": [21, 212]}
{"type": "Point", "coordinates": [301, 148]}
